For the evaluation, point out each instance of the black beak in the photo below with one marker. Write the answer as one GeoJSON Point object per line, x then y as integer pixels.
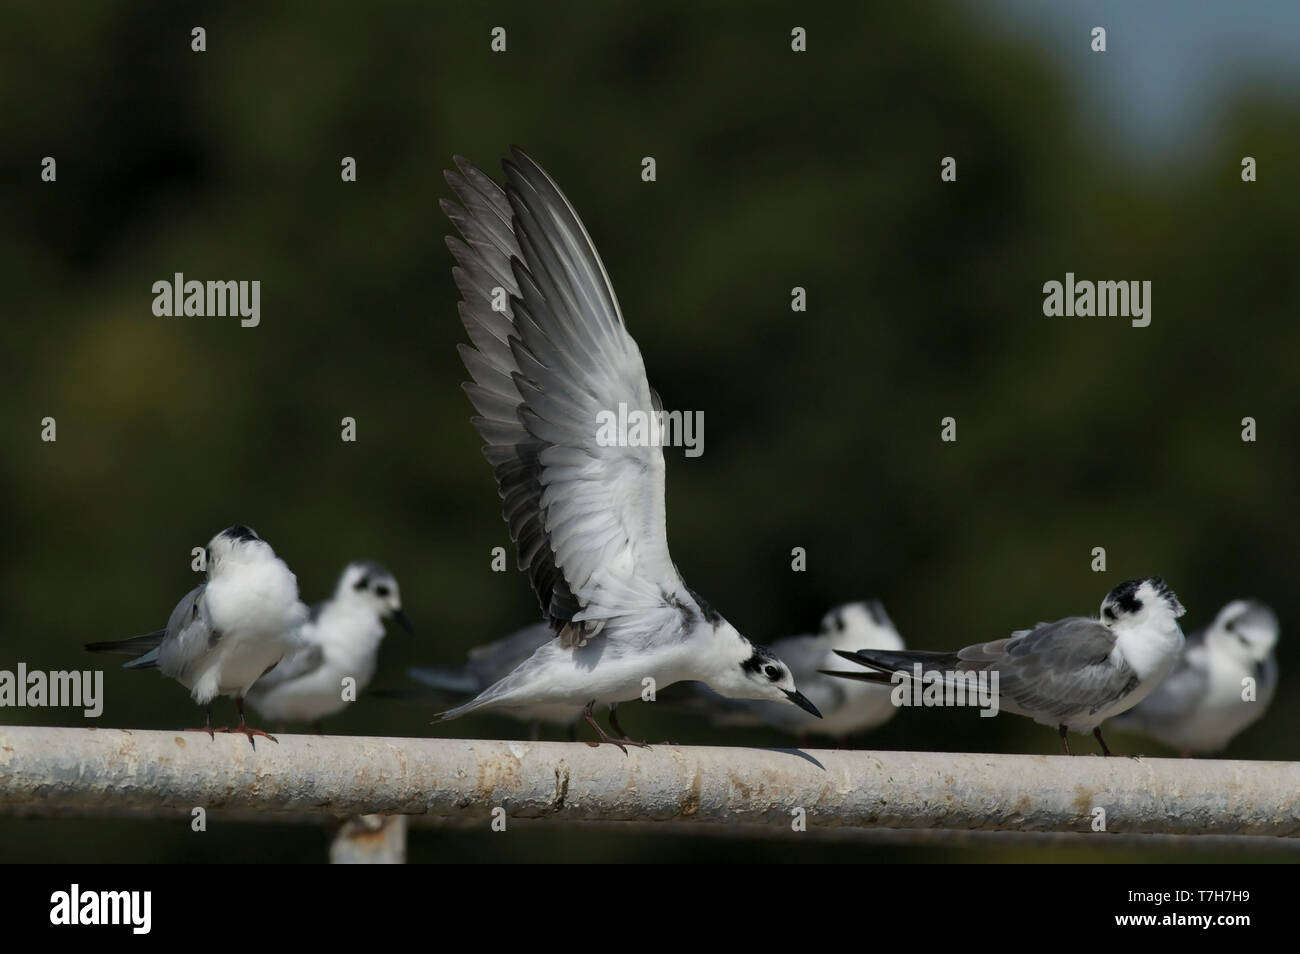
{"type": "Point", "coordinates": [404, 621]}
{"type": "Point", "coordinates": [799, 699]}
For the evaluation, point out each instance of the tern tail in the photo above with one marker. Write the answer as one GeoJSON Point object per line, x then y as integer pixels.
{"type": "Point", "coordinates": [452, 681]}
{"type": "Point", "coordinates": [886, 662]}
{"type": "Point", "coordinates": [135, 646]}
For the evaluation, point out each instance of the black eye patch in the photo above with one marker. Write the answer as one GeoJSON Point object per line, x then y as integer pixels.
{"type": "Point", "coordinates": [382, 590]}
{"type": "Point", "coordinates": [772, 672]}
{"type": "Point", "coordinates": [362, 583]}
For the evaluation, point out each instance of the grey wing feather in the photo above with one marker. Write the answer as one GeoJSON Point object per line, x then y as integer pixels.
{"type": "Point", "coordinates": [588, 520]}
{"type": "Point", "coordinates": [454, 682]}
{"type": "Point", "coordinates": [484, 265]}
{"type": "Point", "coordinates": [148, 661]}
{"type": "Point", "coordinates": [1056, 668]}
{"type": "Point", "coordinates": [297, 664]}
{"type": "Point", "coordinates": [498, 659]}
{"type": "Point", "coordinates": [189, 635]}
{"type": "Point", "coordinates": [486, 664]}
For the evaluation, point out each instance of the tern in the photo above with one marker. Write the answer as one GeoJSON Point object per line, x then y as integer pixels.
{"type": "Point", "coordinates": [847, 706]}
{"type": "Point", "coordinates": [1224, 680]}
{"type": "Point", "coordinates": [227, 631]}
{"type": "Point", "coordinates": [1074, 673]}
{"type": "Point", "coordinates": [341, 642]}
{"type": "Point", "coordinates": [486, 665]}
{"type": "Point", "coordinates": [551, 358]}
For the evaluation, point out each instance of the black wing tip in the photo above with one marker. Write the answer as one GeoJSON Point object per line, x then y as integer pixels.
{"type": "Point", "coordinates": [465, 166]}
{"type": "Point", "coordinates": [464, 173]}
{"type": "Point", "coordinates": [523, 169]}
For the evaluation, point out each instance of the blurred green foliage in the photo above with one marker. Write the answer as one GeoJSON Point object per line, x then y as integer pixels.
{"type": "Point", "coordinates": [822, 428]}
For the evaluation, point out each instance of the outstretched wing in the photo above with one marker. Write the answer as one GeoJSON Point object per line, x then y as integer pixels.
{"type": "Point", "coordinates": [548, 370]}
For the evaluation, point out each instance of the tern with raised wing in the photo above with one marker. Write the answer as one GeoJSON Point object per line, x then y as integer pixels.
{"type": "Point", "coordinates": [551, 359]}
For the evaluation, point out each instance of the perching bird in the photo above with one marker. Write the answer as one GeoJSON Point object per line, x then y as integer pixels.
{"type": "Point", "coordinates": [1222, 683]}
{"type": "Point", "coordinates": [551, 359]}
{"type": "Point", "coordinates": [1074, 673]}
{"type": "Point", "coordinates": [488, 664]}
{"type": "Point", "coordinates": [847, 706]}
{"type": "Point", "coordinates": [342, 638]}
{"type": "Point", "coordinates": [226, 632]}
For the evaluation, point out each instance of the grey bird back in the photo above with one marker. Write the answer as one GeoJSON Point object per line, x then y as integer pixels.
{"type": "Point", "coordinates": [189, 635]}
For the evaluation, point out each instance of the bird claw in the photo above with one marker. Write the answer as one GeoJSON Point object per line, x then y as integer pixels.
{"type": "Point", "coordinates": [249, 731]}
{"type": "Point", "coordinates": [612, 741]}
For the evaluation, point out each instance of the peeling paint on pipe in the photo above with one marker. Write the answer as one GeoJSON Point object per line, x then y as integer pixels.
{"type": "Point", "coordinates": [96, 772]}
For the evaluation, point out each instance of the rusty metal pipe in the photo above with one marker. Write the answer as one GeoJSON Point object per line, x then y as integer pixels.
{"type": "Point", "coordinates": [108, 771]}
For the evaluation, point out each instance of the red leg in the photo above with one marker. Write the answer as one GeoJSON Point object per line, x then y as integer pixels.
{"type": "Point", "coordinates": [1102, 742]}
{"type": "Point", "coordinates": [245, 729]}
{"type": "Point", "coordinates": [613, 722]}
{"type": "Point", "coordinates": [207, 726]}
{"type": "Point", "coordinates": [591, 721]}
{"type": "Point", "coordinates": [1064, 742]}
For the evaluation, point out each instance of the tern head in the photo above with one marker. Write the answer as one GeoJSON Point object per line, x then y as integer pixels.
{"type": "Point", "coordinates": [368, 585]}
{"type": "Point", "coordinates": [1141, 603]}
{"type": "Point", "coordinates": [236, 546]}
{"type": "Point", "coordinates": [1246, 629]}
{"type": "Point", "coordinates": [754, 672]}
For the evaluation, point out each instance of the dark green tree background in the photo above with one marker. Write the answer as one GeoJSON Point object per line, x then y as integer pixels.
{"type": "Point", "coordinates": [775, 169]}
